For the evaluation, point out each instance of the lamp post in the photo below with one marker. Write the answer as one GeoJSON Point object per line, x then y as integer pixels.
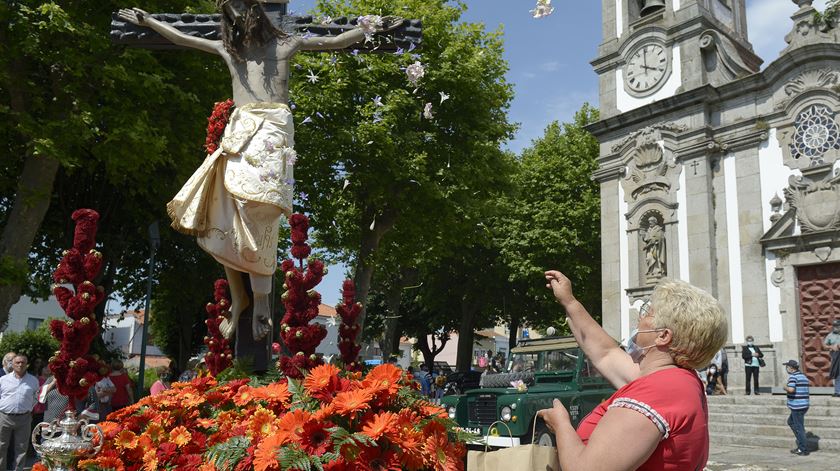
{"type": "Point", "coordinates": [154, 244]}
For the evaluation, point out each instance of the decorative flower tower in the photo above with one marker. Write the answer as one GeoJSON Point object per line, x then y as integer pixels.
{"type": "Point", "coordinates": [62, 444]}
{"type": "Point", "coordinates": [349, 311]}
{"type": "Point", "coordinates": [219, 355]}
{"type": "Point", "coordinates": [301, 302]}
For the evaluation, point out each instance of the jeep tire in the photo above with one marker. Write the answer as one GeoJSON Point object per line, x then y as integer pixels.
{"type": "Point", "coordinates": [503, 380]}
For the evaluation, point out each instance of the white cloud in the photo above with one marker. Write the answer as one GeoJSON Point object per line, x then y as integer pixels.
{"type": "Point", "coordinates": [529, 75]}
{"type": "Point", "coordinates": [768, 21]}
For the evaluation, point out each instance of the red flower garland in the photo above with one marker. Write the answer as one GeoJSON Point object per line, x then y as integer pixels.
{"type": "Point", "coordinates": [349, 311]}
{"type": "Point", "coordinates": [219, 355]}
{"type": "Point", "coordinates": [216, 124]}
{"type": "Point", "coordinates": [74, 369]}
{"type": "Point", "coordinates": [301, 302]}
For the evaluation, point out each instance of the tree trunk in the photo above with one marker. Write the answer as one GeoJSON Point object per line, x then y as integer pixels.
{"type": "Point", "coordinates": [364, 264]}
{"type": "Point", "coordinates": [430, 351]}
{"type": "Point", "coordinates": [30, 205]}
{"type": "Point", "coordinates": [466, 335]}
{"type": "Point", "coordinates": [515, 322]}
{"type": "Point", "coordinates": [391, 341]}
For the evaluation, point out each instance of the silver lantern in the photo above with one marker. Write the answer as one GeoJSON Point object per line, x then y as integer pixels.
{"type": "Point", "coordinates": [63, 444]}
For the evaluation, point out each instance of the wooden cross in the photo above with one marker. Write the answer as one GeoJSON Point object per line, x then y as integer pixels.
{"type": "Point", "coordinates": [407, 37]}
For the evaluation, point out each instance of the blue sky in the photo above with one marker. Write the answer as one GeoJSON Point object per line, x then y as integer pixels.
{"type": "Point", "coordinates": [549, 62]}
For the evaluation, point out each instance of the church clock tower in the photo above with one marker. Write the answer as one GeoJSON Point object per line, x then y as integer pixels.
{"type": "Point", "coordinates": [655, 49]}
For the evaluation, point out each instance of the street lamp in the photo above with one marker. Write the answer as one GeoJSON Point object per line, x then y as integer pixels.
{"type": "Point", "coordinates": [154, 244]}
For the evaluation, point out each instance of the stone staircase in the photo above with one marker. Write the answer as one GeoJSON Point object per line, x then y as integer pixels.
{"type": "Point", "coordinates": [762, 421]}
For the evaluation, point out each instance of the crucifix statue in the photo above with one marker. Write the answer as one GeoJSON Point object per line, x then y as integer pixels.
{"type": "Point", "coordinates": [234, 201]}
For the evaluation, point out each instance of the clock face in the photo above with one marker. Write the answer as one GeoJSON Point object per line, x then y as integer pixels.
{"type": "Point", "coordinates": [646, 68]}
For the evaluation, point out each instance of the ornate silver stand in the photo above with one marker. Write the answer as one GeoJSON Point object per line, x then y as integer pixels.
{"type": "Point", "coordinates": [64, 443]}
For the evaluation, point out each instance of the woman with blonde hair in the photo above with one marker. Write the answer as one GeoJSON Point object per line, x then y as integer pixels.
{"type": "Point", "coordinates": [658, 417]}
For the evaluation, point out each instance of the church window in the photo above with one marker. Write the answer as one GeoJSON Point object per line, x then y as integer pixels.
{"type": "Point", "coordinates": [816, 132]}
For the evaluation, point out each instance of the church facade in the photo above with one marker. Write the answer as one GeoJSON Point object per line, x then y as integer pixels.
{"type": "Point", "coordinates": [722, 174]}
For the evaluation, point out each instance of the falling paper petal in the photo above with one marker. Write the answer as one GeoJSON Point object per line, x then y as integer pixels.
{"type": "Point", "coordinates": [369, 24]}
{"type": "Point", "coordinates": [415, 72]}
{"type": "Point", "coordinates": [331, 322]}
{"type": "Point", "coordinates": [400, 51]}
{"type": "Point", "coordinates": [326, 20]}
{"type": "Point", "coordinates": [542, 9]}
{"type": "Point", "coordinates": [373, 224]}
{"type": "Point", "coordinates": [318, 114]}
{"type": "Point", "coordinates": [312, 78]}
{"type": "Point", "coordinates": [346, 184]}
{"type": "Point", "coordinates": [427, 111]}
{"type": "Point", "coordinates": [443, 97]}
{"type": "Point", "coordinates": [308, 119]}
{"type": "Point", "coordinates": [377, 101]}
{"type": "Point", "coordinates": [411, 47]}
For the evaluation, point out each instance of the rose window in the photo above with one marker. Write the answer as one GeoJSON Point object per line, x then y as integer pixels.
{"type": "Point", "coordinates": [816, 133]}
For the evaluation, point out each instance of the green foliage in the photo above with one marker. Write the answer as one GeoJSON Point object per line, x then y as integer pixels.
{"type": "Point", "coordinates": [38, 345]}
{"type": "Point", "coordinates": [225, 456]}
{"type": "Point", "coordinates": [12, 271]}
{"type": "Point", "coordinates": [412, 182]}
{"type": "Point", "coordinates": [552, 220]}
{"type": "Point", "coordinates": [828, 18]}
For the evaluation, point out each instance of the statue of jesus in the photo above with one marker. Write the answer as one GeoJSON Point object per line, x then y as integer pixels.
{"type": "Point", "coordinates": [234, 202]}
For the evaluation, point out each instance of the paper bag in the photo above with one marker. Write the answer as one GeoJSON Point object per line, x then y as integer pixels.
{"type": "Point", "coordinates": [523, 457]}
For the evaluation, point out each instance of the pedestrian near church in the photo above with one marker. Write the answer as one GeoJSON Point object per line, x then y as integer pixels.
{"type": "Point", "coordinates": [18, 395]}
{"type": "Point", "coordinates": [722, 362]}
{"type": "Point", "coordinates": [753, 361]}
{"type": "Point", "coordinates": [798, 401]}
{"type": "Point", "coordinates": [832, 342]}
{"type": "Point", "coordinates": [7, 362]}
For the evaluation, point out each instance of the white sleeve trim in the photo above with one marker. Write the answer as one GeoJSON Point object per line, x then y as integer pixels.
{"type": "Point", "coordinates": [647, 411]}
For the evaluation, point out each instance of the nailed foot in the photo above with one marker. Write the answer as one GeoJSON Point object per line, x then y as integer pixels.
{"type": "Point", "coordinates": [261, 323]}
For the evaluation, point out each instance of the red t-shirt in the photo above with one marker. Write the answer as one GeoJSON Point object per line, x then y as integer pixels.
{"type": "Point", "coordinates": [120, 398]}
{"type": "Point", "coordinates": [675, 402]}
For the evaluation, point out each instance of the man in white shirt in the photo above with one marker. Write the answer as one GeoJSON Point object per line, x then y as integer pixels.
{"type": "Point", "coordinates": [18, 395]}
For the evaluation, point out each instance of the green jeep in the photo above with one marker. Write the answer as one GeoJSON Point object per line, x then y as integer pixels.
{"type": "Point", "coordinates": [553, 367]}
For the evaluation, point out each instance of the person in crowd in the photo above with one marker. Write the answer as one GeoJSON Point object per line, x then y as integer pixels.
{"type": "Point", "coordinates": [722, 362]}
{"type": "Point", "coordinates": [18, 395]}
{"type": "Point", "coordinates": [658, 415]}
{"type": "Point", "coordinates": [714, 381]}
{"type": "Point", "coordinates": [40, 408]}
{"type": "Point", "coordinates": [425, 380]}
{"type": "Point", "coordinates": [105, 390]}
{"type": "Point", "coordinates": [164, 381]}
{"type": "Point", "coordinates": [54, 402]}
{"type": "Point", "coordinates": [8, 359]}
{"type": "Point", "coordinates": [798, 401]}
{"type": "Point", "coordinates": [832, 343]}
{"type": "Point", "coordinates": [753, 361]}
{"type": "Point", "coordinates": [124, 394]}
{"type": "Point", "coordinates": [189, 374]}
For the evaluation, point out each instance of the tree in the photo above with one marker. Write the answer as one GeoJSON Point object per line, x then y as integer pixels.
{"type": "Point", "coordinates": [370, 162]}
{"type": "Point", "coordinates": [89, 124]}
{"type": "Point", "coordinates": [552, 220]}
{"type": "Point", "coordinates": [38, 345]}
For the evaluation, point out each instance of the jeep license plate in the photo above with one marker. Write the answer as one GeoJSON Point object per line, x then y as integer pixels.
{"type": "Point", "coordinates": [474, 431]}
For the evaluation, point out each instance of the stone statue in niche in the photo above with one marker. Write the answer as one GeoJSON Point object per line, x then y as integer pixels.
{"type": "Point", "coordinates": [653, 238]}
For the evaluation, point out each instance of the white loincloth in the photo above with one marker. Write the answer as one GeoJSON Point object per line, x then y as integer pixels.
{"type": "Point", "coordinates": [234, 201]}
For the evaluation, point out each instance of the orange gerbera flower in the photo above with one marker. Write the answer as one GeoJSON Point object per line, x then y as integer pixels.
{"type": "Point", "coordinates": [109, 429]}
{"type": "Point", "coordinates": [320, 377]}
{"type": "Point", "coordinates": [126, 439]}
{"type": "Point", "coordinates": [39, 467]}
{"type": "Point", "coordinates": [412, 450]}
{"type": "Point", "coordinates": [433, 410]}
{"type": "Point", "coordinates": [324, 412]}
{"type": "Point", "coordinates": [384, 378]}
{"type": "Point", "coordinates": [180, 436]}
{"type": "Point", "coordinates": [348, 402]}
{"type": "Point", "coordinates": [154, 431]}
{"type": "Point", "coordinates": [379, 424]}
{"type": "Point", "coordinates": [243, 396]}
{"type": "Point", "coordinates": [262, 423]}
{"type": "Point", "coordinates": [150, 461]}
{"type": "Point", "coordinates": [292, 423]}
{"type": "Point", "coordinates": [265, 457]}
{"type": "Point", "coordinates": [105, 463]}
{"type": "Point", "coordinates": [274, 393]}
{"type": "Point", "coordinates": [441, 455]}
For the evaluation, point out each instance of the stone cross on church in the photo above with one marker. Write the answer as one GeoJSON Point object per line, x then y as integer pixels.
{"type": "Point", "coordinates": [234, 201]}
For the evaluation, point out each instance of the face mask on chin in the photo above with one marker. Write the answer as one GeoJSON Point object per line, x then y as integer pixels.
{"type": "Point", "coordinates": [634, 350]}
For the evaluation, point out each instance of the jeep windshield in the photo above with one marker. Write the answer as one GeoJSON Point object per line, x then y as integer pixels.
{"type": "Point", "coordinates": [553, 360]}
